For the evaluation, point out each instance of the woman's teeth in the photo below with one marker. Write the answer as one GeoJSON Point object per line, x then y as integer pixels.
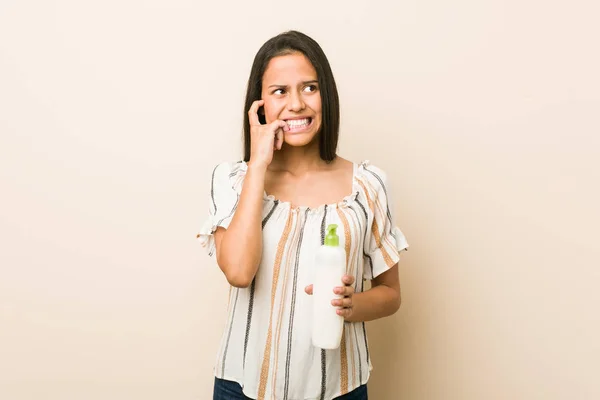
{"type": "Point", "coordinates": [298, 123]}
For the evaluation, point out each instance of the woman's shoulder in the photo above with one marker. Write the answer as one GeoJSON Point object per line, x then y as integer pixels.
{"type": "Point", "coordinates": [372, 174]}
{"type": "Point", "coordinates": [228, 174]}
{"type": "Point", "coordinates": [228, 169]}
{"type": "Point", "coordinates": [229, 166]}
{"type": "Point", "coordinates": [225, 174]}
{"type": "Point", "coordinates": [341, 163]}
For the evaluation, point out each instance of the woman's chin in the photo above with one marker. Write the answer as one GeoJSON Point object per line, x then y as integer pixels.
{"type": "Point", "coordinates": [298, 140]}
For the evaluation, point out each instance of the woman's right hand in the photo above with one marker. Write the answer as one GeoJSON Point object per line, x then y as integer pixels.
{"type": "Point", "coordinates": [264, 139]}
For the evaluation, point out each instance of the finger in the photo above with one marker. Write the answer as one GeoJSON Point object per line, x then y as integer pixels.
{"type": "Point", "coordinates": [344, 312]}
{"type": "Point", "coordinates": [348, 279]}
{"type": "Point", "coordinates": [346, 302]}
{"type": "Point", "coordinates": [279, 124]}
{"type": "Point", "coordinates": [344, 290]}
{"type": "Point", "coordinates": [253, 112]}
{"type": "Point", "coordinates": [309, 289]}
{"type": "Point", "coordinates": [279, 139]}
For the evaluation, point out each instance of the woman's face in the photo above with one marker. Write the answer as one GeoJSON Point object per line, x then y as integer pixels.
{"type": "Point", "coordinates": [291, 93]}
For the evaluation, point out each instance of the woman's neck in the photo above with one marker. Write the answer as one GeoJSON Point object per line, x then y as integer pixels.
{"type": "Point", "coordinates": [297, 160]}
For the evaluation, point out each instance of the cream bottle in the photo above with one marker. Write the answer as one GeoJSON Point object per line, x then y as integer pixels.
{"type": "Point", "coordinates": [330, 267]}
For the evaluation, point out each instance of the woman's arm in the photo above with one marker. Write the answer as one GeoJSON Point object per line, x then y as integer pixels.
{"type": "Point", "coordinates": [382, 300]}
{"type": "Point", "coordinates": [239, 247]}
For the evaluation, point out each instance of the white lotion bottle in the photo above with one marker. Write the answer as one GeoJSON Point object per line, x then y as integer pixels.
{"type": "Point", "coordinates": [330, 267]}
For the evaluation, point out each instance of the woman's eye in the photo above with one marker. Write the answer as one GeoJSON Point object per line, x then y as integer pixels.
{"type": "Point", "coordinates": [278, 91]}
{"type": "Point", "coordinates": [310, 88]}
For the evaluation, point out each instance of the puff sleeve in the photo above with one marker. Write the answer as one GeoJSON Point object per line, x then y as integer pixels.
{"type": "Point", "coordinates": [385, 240]}
{"type": "Point", "coordinates": [223, 203]}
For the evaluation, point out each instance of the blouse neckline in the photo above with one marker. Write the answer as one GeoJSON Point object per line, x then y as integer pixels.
{"type": "Point", "coordinates": [344, 202]}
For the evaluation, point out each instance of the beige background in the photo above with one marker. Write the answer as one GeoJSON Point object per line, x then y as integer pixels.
{"type": "Point", "coordinates": [485, 114]}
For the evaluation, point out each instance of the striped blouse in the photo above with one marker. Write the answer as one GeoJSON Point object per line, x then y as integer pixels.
{"type": "Point", "coordinates": [266, 345]}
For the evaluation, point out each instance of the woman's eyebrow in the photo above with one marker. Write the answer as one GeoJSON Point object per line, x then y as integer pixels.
{"type": "Point", "coordinates": [304, 83]}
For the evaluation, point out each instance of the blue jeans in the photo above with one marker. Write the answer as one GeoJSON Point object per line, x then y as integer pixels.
{"type": "Point", "coordinates": [228, 390]}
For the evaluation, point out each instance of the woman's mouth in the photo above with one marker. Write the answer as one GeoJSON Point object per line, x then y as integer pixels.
{"type": "Point", "coordinates": [299, 125]}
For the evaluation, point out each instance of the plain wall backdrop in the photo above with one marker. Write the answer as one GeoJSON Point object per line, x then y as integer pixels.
{"type": "Point", "coordinates": [485, 114]}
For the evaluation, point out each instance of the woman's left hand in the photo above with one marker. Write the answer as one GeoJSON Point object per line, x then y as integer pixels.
{"type": "Point", "coordinates": [347, 291]}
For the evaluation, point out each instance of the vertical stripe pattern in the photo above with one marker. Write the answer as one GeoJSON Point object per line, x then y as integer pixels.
{"type": "Point", "coordinates": [237, 294]}
{"type": "Point", "coordinates": [253, 288]}
{"type": "Point", "coordinates": [212, 189]}
{"type": "Point", "coordinates": [389, 214]}
{"type": "Point", "coordinates": [293, 306]}
{"type": "Point", "coordinates": [375, 228]}
{"type": "Point", "coordinates": [264, 372]}
{"type": "Point", "coordinates": [266, 345]}
{"type": "Point", "coordinates": [357, 232]}
{"type": "Point", "coordinates": [323, 352]}
{"type": "Point", "coordinates": [366, 231]}
{"type": "Point", "coordinates": [293, 244]}
{"type": "Point", "coordinates": [345, 334]}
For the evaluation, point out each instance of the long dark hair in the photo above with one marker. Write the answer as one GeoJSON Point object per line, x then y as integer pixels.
{"type": "Point", "coordinates": [288, 43]}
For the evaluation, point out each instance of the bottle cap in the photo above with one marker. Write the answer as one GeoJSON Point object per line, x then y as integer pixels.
{"type": "Point", "coordinates": [332, 239]}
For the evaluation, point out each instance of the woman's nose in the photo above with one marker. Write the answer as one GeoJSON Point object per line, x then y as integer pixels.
{"type": "Point", "coordinates": [295, 102]}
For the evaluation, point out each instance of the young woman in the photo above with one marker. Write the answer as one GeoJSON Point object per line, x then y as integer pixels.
{"type": "Point", "coordinates": [268, 215]}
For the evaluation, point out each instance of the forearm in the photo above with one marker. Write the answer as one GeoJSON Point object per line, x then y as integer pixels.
{"type": "Point", "coordinates": [377, 302]}
{"type": "Point", "coordinates": [240, 249]}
